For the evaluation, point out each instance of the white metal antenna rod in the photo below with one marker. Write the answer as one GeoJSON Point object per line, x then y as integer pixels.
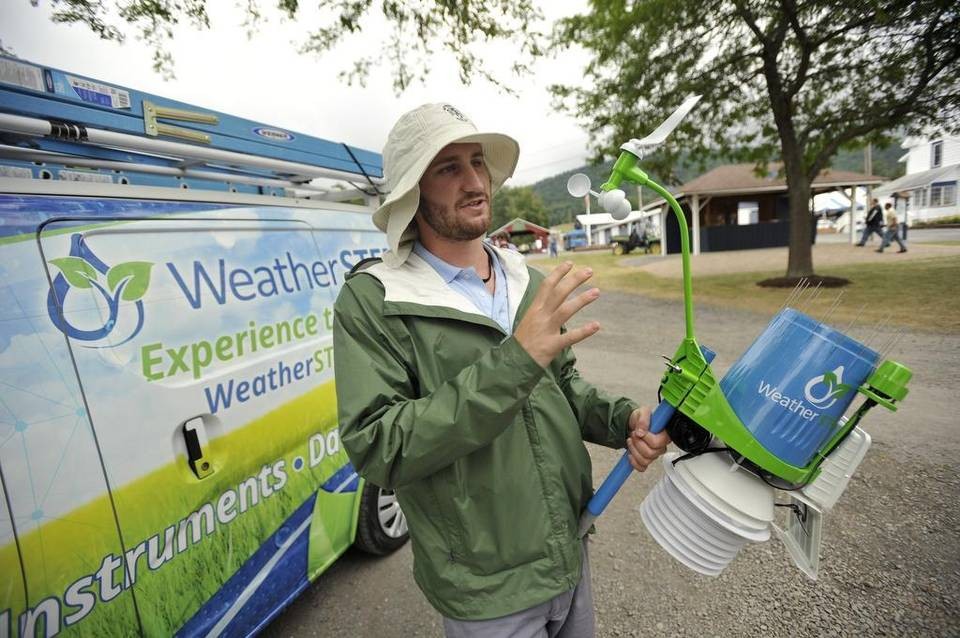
{"type": "Point", "coordinates": [43, 128]}
{"type": "Point", "coordinates": [803, 291]}
{"type": "Point", "coordinates": [795, 292]}
{"type": "Point", "coordinates": [882, 324]}
{"type": "Point", "coordinates": [812, 298]}
{"type": "Point", "coordinates": [893, 342]}
{"type": "Point", "coordinates": [894, 338]}
{"type": "Point", "coordinates": [786, 302]}
{"type": "Point", "coordinates": [820, 290]}
{"type": "Point", "coordinates": [833, 307]}
{"type": "Point", "coordinates": [856, 318]}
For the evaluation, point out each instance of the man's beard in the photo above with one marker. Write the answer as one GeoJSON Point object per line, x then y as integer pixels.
{"type": "Point", "coordinates": [446, 223]}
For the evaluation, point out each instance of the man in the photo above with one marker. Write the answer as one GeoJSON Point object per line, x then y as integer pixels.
{"type": "Point", "coordinates": [893, 231]}
{"type": "Point", "coordinates": [457, 388]}
{"type": "Point", "coordinates": [874, 223]}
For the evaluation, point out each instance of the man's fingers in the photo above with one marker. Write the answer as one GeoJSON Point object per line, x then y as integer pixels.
{"type": "Point", "coordinates": [551, 280]}
{"type": "Point", "coordinates": [572, 306]}
{"type": "Point", "coordinates": [576, 335]}
{"type": "Point", "coordinates": [637, 458]}
{"type": "Point", "coordinates": [644, 451]}
{"type": "Point", "coordinates": [573, 280]}
{"type": "Point", "coordinates": [658, 441]}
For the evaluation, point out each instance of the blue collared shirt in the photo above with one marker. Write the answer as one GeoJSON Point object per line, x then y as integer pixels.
{"type": "Point", "coordinates": [467, 282]}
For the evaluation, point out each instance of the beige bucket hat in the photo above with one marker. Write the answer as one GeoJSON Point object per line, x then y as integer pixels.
{"type": "Point", "coordinates": [412, 144]}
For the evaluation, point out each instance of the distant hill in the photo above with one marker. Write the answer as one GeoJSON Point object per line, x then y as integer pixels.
{"type": "Point", "coordinates": [885, 161]}
{"type": "Point", "coordinates": [561, 208]}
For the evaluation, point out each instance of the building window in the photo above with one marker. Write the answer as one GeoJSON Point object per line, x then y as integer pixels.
{"type": "Point", "coordinates": [936, 154]}
{"type": "Point", "coordinates": [943, 194]}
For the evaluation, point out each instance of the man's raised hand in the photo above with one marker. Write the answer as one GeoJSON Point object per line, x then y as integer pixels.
{"type": "Point", "coordinates": [539, 331]}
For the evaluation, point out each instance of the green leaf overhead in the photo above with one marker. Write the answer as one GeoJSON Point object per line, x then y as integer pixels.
{"type": "Point", "coordinates": [136, 274]}
{"type": "Point", "coordinates": [76, 271]}
{"type": "Point", "coordinates": [416, 31]}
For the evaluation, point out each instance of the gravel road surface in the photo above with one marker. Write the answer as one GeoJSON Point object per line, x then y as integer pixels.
{"type": "Point", "coordinates": [890, 560]}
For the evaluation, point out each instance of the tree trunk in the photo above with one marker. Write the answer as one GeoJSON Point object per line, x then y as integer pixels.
{"type": "Point", "coordinates": [800, 259]}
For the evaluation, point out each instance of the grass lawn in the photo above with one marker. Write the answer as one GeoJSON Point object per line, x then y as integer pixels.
{"type": "Point", "coordinates": [920, 294]}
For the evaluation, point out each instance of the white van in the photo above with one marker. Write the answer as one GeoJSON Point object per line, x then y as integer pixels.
{"type": "Point", "coordinates": [169, 455]}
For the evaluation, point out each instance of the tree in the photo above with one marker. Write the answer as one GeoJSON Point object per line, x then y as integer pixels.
{"type": "Point", "coordinates": [510, 203]}
{"type": "Point", "coordinates": [455, 26]}
{"type": "Point", "coordinates": [780, 79]}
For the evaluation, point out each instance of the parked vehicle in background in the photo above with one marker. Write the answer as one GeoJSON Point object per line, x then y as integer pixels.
{"type": "Point", "coordinates": [169, 455]}
{"type": "Point", "coordinates": [624, 244]}
{"type": "Point", "coordinates": [574, 239]}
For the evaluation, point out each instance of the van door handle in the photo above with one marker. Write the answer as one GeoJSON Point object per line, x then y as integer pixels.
{"type": "Point", "coordinates": [198, 448]}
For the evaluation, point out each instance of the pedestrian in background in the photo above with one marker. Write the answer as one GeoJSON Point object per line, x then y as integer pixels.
{"type": "Point", "coordinates": [874, 223]}
{"type": "Point", "coordinates": [893, 231]}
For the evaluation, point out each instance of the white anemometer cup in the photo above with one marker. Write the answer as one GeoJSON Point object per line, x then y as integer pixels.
{"type": "Point", "coordinates": [613, 202]}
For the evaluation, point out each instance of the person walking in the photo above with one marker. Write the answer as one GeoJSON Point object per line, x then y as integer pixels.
{"type": "Point", "coordinates": [874, 223]}
{"type": "Point", "coordinates": [458, 389]}
{"type": "Point", "coordinates": [893, 231]}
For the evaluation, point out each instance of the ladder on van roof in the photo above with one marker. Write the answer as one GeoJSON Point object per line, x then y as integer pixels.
{"type": "Point", "coordinates": [59, 125]}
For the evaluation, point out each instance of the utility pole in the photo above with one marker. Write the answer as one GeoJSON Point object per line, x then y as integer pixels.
{"type": "Point", "coordinates": [586, 201]}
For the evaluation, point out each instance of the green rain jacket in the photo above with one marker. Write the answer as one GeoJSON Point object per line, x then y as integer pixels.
{"type": "Point", "coordinates": [483, 446]}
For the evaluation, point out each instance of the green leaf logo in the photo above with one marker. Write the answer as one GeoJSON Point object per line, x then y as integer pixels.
{"type": "Point", "coordinates": [76, 271]}
{"type": "Point", "coordinates": [136, 274]}
{"type": "Point", "coordinates": [838, 390]}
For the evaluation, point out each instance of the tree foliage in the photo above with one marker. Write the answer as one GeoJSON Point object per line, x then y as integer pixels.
{"type": "Point", "coordinates": [418, 30]}
{"type": "Point", "coordinates": [510, 203]}
{"type": "Point", "coordinates": [781, 80]}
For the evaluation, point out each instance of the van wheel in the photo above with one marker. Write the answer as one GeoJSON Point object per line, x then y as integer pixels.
{"type": "Point", "coordinates": [381, 525]}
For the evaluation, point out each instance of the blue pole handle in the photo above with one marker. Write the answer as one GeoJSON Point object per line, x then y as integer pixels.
{"type": "Point", "coordinates": [621, 471]}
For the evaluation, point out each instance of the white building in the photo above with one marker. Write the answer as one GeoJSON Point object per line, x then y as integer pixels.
{"type": "Point", "coordinates": [601, 227]}
{"type": "Point", "coordinates": [929, 187]}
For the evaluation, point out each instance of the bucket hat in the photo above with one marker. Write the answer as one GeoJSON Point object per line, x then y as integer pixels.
{"type": "Point", "coordinates": [412, 144]}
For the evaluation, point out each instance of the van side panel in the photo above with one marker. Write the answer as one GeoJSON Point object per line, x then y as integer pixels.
{"type": "Point", "coordinates": [202, 345]}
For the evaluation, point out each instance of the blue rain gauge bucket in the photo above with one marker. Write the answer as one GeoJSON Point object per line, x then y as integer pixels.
{"type": "Point", "coordinates": [794, 383]}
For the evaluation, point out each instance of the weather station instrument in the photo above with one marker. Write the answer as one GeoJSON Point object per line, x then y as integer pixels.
{"type": "Point", "coordinates": [772, 432]}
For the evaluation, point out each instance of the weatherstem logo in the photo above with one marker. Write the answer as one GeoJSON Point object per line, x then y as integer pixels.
{"type": "Point", "coordinates": [83, 270]}
{"type": "Point", "coordinates": [828, 387]}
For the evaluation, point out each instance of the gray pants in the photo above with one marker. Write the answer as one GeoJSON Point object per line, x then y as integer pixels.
{"type": "Point", "coordinates": [569, 615]}
{"type": "Point", "coordinates": [867, 232]}
{"type": "Point", "coordinates": [891, 236]}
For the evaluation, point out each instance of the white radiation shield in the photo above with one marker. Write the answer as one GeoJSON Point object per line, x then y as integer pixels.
{"type": "Point", "coordinates": [706, 509]}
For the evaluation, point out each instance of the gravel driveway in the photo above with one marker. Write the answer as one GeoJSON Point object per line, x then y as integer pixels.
{"type": "Point", "coordinates": [890, 561]}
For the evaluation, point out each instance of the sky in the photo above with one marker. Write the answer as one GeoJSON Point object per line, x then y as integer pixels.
{"type": "Point", "coordinates": [265, 79]}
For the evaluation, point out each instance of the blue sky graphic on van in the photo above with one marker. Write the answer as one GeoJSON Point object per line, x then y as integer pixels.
{"type": "Point", "coordinates": [83, 270]}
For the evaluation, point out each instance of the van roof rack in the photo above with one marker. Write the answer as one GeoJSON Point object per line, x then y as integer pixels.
{"type": "Point", "coordinates": [60, 125]}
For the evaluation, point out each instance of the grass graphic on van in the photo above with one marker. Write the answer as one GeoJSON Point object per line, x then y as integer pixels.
{"type": "Point", "coordinates": [83, 270]}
